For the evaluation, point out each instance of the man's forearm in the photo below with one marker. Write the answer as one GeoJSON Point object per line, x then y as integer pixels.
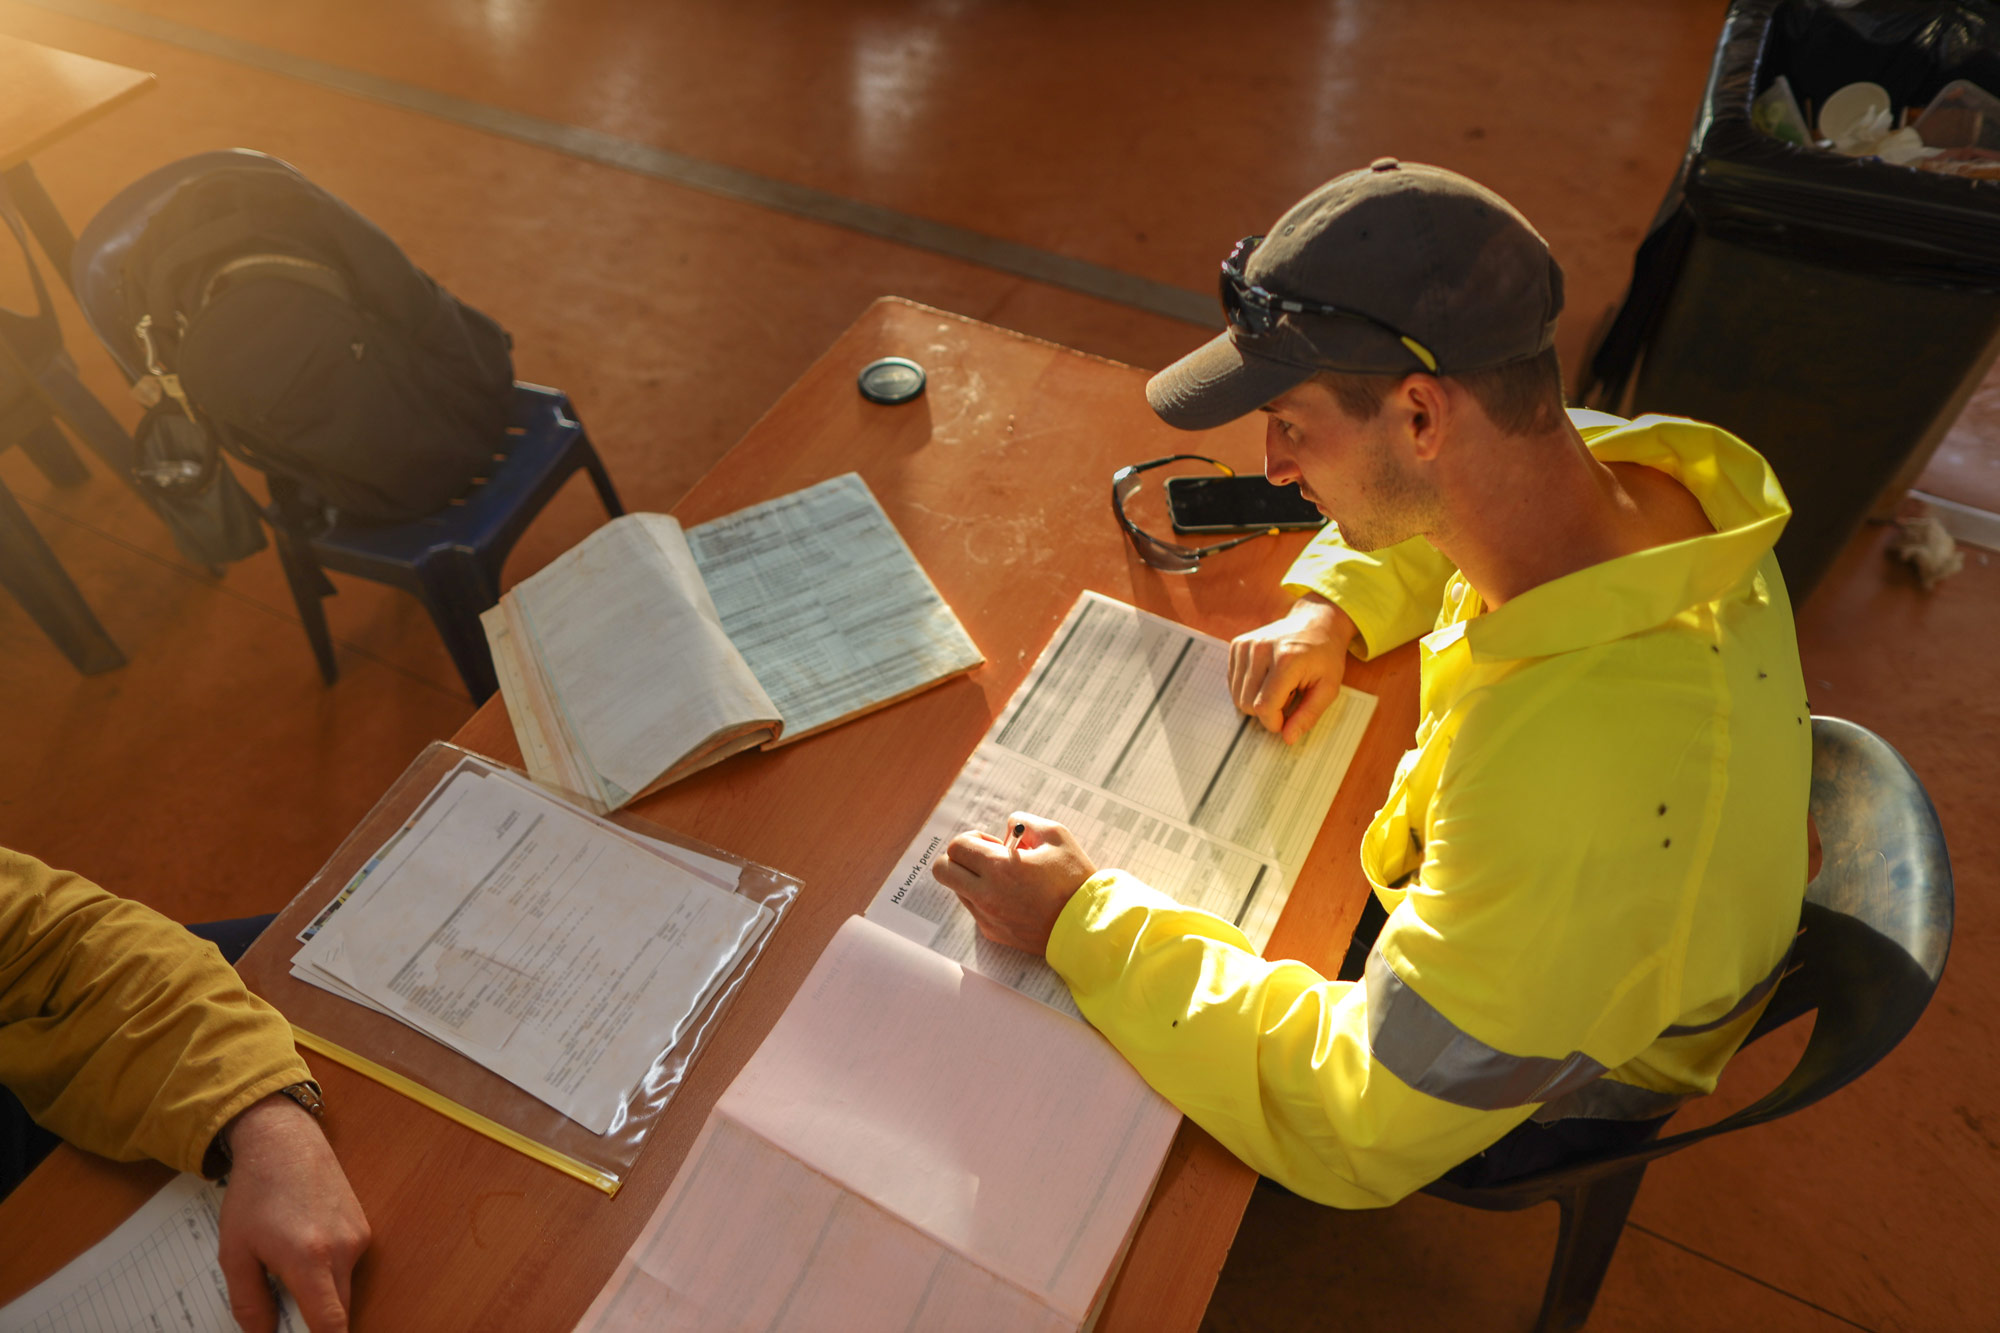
{"type": "Point", "coordinates": [119, 1030]}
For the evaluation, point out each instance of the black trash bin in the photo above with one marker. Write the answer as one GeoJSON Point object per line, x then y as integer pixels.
{"type": "Point", "coordinates": [1834, 312]}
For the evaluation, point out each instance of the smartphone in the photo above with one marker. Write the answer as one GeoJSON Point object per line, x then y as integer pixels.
{"type": "Point", "coordinates": [1237, 504]}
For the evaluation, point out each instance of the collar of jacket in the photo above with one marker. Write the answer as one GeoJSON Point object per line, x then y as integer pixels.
{"type": "Point", "coordinates": [1607, 601]}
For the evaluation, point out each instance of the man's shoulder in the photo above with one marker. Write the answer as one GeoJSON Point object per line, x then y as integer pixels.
{"type": "Point", "coordinates": [1669, 665]}
{"type": "Point", "coordinates": [1573, 727]}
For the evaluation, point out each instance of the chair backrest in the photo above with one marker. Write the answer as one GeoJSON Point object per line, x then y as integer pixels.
{"type": "Point", "coordinates": [97, 268]}
{"type": "Point", "coordinates": [1877, 920]}
{"type": "Point", "coordinates": [1875, 931]}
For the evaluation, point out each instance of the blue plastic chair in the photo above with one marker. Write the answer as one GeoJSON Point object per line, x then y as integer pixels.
{"type": "Point", "coordinates": [450, 559]}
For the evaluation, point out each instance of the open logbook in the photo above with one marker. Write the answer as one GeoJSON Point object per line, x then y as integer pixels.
{"type": "Point", "coordinates": [648, 652]}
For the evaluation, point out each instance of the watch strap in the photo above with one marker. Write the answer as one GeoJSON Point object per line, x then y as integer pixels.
{"type": "Point", "coordinates": [308, 1097]}
{"type": "Point", "coordinates": [216, 1161]}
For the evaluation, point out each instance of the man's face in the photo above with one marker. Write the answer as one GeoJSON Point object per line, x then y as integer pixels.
{"type": "Point", "coordinates": [1361, 474]}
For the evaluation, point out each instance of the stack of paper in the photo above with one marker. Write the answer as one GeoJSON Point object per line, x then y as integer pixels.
{"type": "Point", "coordinates": [558, 950]}
{"type": "Point", "coordinates": [647, 653]}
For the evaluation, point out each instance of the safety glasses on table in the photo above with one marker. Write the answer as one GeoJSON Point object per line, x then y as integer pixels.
{"type": "Point", "coordinates": [1161, 554]}
{"type": "Point", "coordinates": [1253, 312]}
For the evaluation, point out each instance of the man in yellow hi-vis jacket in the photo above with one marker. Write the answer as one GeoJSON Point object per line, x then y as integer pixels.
{"type": "Point", "coordinates": [1589, 867]}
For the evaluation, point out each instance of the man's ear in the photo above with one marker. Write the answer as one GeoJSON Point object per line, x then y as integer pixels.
{"type": "Point", "coordinates": [1428, 406]}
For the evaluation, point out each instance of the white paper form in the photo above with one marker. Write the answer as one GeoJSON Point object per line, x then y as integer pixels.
{"type": "Point", "coordinates": [723, 874]}
{"type": "Point", "coordinates": [524, 935]}
{"type": "Point", "coordinates": [157, 1272]}
{"type": "Point", "coordinates": [1124, 731]}
{"type": "Point", "coordinates": [826, 603]}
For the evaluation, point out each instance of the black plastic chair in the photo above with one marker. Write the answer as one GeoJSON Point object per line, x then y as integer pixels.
{"type": "Point", "coordinates": [450, 559]}
{"type": "Point", "coordinates": [1876, 929]}
{"type": "Point", "coordinates": [39, 387]}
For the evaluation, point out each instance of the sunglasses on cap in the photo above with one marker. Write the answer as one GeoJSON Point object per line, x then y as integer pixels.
{"type": "Point", "coordinates": [1253, 312]}
{"type": "Point", "coordinates": [1157, 552]}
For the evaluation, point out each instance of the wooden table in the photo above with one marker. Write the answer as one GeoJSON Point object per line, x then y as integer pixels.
{"type": "Point", "coordinates": [999, 477]}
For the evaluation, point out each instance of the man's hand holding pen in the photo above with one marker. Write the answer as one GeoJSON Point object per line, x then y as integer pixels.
{"type": "Point", "coordinates": [1016, 886]}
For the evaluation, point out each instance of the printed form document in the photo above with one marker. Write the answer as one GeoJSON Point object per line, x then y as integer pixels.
{"type": "Point", "coordinates": [915, 1147]}
{"type": "Point", "coordinates": [829, 608]}
{"type": "Point", "coordinates": [1125, 732]}
{"type": "Point", "coordinates": [157, 1272]}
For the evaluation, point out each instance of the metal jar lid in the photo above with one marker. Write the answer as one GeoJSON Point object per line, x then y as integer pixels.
{"type": "Point", "coordinates": [893, 379]}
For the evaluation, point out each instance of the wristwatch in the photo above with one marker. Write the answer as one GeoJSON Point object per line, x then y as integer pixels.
{"type": "Point", "coordinates": [307, 1096]}
{"type": "Point", "coordinates": [216, 1161]}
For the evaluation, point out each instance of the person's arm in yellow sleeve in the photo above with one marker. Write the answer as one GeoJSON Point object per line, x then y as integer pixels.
{"type": "Point", "coordinates": [1270, 1057]}
{"type": "Point", "coordinates": [1392, 595]}
{"type": "Point", "coordinates": [130, 1038]}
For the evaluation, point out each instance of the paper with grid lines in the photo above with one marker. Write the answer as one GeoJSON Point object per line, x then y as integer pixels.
{"type": "Point", "coordinates": [1125, 732]}
{"type": "Point", "coordinates": [157, 1272]}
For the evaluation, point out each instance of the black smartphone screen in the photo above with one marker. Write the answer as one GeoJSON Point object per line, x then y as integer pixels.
{"type": "Point", "coordinates": [1237, 504]}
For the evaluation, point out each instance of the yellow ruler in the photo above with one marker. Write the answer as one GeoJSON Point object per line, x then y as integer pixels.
{"type": "Point", "coordinates": [451, 1110]}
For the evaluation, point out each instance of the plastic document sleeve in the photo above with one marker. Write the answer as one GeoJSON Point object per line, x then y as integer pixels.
{"type": "Point", "coordinates": [456, 1075]}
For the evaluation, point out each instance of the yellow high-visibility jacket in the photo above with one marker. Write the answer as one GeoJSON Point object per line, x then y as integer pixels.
{"type": "Point", "coordinates": [119, 1030]}
{"type": "Point", "coordinates": [1593, 861]}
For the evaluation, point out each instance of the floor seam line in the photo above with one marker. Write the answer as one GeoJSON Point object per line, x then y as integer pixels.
{"type": "Point", "coordinates": [217, 585]}
{"type": "Point", "coordinates": [735, 183]}
{"type": "Point", "coordinates": [1752, 1277]}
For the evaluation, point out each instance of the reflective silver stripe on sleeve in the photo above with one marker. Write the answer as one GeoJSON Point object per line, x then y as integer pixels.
{"type": "Point", "coordinates": [1426, 1050]}
{"type": "Point", "coordinates": [1432, 1054]}
{"type": "Point", "coordinates": [1608, 1099]}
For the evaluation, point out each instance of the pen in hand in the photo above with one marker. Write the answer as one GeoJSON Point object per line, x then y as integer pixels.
{"type": "Point", "coordinates": [1014, 837]}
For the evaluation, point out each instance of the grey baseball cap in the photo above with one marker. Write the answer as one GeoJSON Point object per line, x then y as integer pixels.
{"type": "Point", "coordinates": [1394, 268]}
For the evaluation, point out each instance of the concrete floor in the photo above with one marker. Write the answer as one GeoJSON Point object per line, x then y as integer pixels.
{"type": "Point", "coordinates": [212, 775]}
